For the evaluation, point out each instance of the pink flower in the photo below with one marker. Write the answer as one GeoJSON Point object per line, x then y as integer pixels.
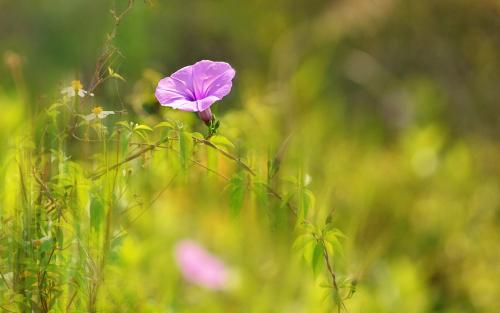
{"type": "Point", "coordinates": [196, 87]}
{"type": "Point", "coordinates": [200, 267]}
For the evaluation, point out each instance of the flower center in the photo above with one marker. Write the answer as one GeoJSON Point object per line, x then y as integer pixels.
{"type": "Point", "coordinates": [97, 110]}
{"type": "Point", "coordinates": [76, 85]}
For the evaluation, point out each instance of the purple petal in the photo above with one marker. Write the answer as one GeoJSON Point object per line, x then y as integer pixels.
{"type": "Point", "coordinates": [173, 93]}
{"type": "Point", "coordinates": [196, 87]}
{"type": "Point", "coordinates": [212, 79]}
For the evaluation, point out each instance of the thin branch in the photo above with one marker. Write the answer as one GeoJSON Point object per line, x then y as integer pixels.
{"type": "Point", "coordinates": [332, 275]}
{"type": "Point", "coordinates": [226, 154]}
{"type": "Point", "coordinates": [44, 187]}
{"type": "Point", "coordinates": [71, 300]}
{"type": "Point", "coordinates": [108, 49]}
{"type": "Point", "coordinates": [128, 159]}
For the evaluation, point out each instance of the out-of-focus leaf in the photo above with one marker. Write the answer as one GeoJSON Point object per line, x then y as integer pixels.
{"type": "Point", "coordinates": [46, 245]}
{"type": "Point", "coordinates": [197, 135]}
{"type": "Point", "coordinates": [317, 259]}
{"type": "Point", "coordinates": [142, 127]}
{"type": "Point", "coordinates": [221, 141]}
{"type": "Point", "coordinates": [332, 241]}
{"type": "Point", "coordinates": [329, 248]}
{"type": "Point", "coordinates": [334, 232]}
{"type": "Point", "coordinates": [185, 148]}
{"type": "Point", "coordinates": [308, 201]}
{"type": "Point", "coordinates": [96, 211]}
{"type": "Point", "coordinates": [165, 124]}
{"type": "Point", "coordinates": [236, 193]}
{"type": "Point", "coordinates": [114, 74]}
{"type": "Point", "coordinates": [302, 241]}
{"type": "Point", "coordinates": [124, 124]}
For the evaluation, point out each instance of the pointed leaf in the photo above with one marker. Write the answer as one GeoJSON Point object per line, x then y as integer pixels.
{"type": "Point", "coordinates": [165, 124]}
{"type": "Point", "coordinates": [317, 259]}
{"type": "Point", "coordinates": [302, 241]}
{"type": "Point", "coordinates": [219, 141]}
{"type": "Point", "coordinates": [142, 127]}
{"type": "Point", "coordinates": [236, 193]}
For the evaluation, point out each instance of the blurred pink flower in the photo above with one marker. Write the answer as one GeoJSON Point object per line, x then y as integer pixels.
{"type": "Point", "coordinates": [200, 267]}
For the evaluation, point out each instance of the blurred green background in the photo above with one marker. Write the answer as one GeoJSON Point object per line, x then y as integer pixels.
{"type": "Point", "coordinates": [393, 110]}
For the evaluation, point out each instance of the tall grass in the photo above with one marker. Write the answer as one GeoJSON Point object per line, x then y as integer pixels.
{"type": "Point", "coordinates": [73, 188]}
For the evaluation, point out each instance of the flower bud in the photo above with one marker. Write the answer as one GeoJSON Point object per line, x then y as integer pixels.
{"type": "Point", "coordinates": [206, 115]}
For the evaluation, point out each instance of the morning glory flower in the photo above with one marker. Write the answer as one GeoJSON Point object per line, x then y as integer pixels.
{"type": "Point", "coordinates": [98, 113]}
{"type": "Point", "coordinates": [196, 87]}
{"type": "Point", "coordinates": [199, 266]}
{"type": "Point", "coordinates": [76, 88]}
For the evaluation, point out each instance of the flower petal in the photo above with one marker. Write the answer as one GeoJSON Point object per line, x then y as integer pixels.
{"type": "Point", "coordinates": [212, 79]}
{"type": "Point", "coordinates": [205, 103]}
{"type": "Point", "coordinates": [192, 106]}
{"type": "Point", "coordinates": [196, 87]}
{"type": "Point", "coordinates": [171, 91]}
{"type": "Point", "coordinates": [183, 80]}
{"type": "Point", "coordinates": [104, 114]}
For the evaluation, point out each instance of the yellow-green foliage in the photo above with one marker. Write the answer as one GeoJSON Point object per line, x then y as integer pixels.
{"type": "Point", "coordinates": [356, 167]}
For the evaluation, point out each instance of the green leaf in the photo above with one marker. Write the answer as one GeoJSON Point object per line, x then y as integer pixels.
{"type": "Point", "coordinates": [213, 126]}
{"type": "Point", "coordinates": [329, 248]}
{"type": "Point", "coordinates": [165, 124]}
{"type": "Point", "coordinates": [124, 124]}
{"type": "Point", "coordinates": [142, 134]}
{"type": "Point", "coordinates": [313, 254]}
{"type": "Point", "coordinates": [306, 201]}
{"type": "Point", "coordinates": [329, 230]}
{"type": "Point", "coordinates": [334, 233]}
{"type": "Point", "coordinates": [302, 241]}
{"type": "Point", "coordinates": [221, 141]}
{"type": "Point", "coordinates": [332, 238]}
{"type": "Point", "coordinates": [96, 211]}
{"type": "Point", "coordinates": [185, 148]}
{"type": "Point", "coordinates": [261, 195]}
{"type": "Point", "coordinates": [337, 247]}
{"type": "Point", "coordinates": [142, 127]}
{"type": "Point", "coordinates": [197, 135]}
{"type": "Point", "coordinates": [30, 280]}
{"type": "Point", "coordinates": [272, 168]}
{"type": "Point", "coordinates": [236, 193]}
{"type": "Point", "coordinates": [114, 74]}
{"type": "Point", "coordinates": [317, 259]}
{"type": "Point", "coordinates": [46, 245]}
{"type": "Point", "coordinates": [308, 252]}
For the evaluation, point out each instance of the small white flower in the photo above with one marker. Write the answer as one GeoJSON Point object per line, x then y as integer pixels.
{"type": "Point", "coordinates": [98, 113]}
{"type": "Point", "coordinates": [76, 88]}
